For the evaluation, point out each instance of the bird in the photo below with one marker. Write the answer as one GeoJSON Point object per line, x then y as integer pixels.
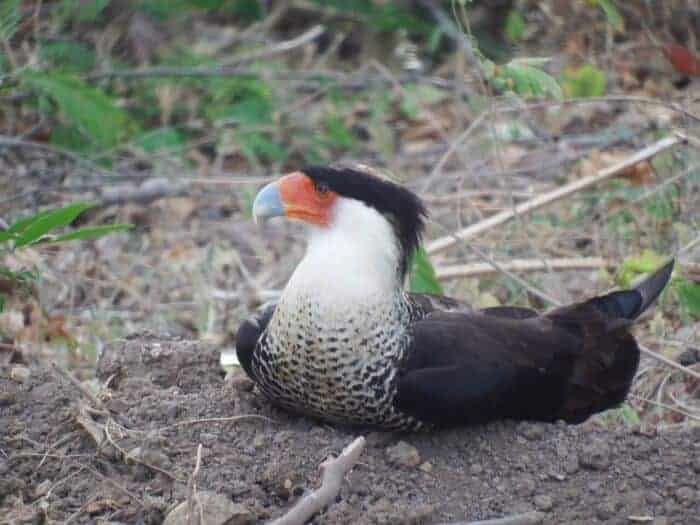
{"type": "Point", "coordinates": [346, 344]}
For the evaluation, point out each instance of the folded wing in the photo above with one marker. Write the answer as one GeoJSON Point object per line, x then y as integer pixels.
{"type": "Point", "coordinates": [511, 362]}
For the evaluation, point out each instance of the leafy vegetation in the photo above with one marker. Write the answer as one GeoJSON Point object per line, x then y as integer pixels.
{"type": "Point", "coordinates": [37, 229]}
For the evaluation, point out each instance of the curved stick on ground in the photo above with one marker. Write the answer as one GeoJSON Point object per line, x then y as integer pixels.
{"type": "Point", "coordinates": [194, 507]}
{"type": "Point", "coordinates": [529, 518]}
{"type": "Point", "coordinates": [334, 470]}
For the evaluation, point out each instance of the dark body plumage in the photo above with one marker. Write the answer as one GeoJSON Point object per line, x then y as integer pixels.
{"type": "Point", "coordinates": [406, 361]}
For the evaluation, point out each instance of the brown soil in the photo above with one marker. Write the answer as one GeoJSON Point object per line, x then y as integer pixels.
{"type": "Point", "coordinates": [51, 469]}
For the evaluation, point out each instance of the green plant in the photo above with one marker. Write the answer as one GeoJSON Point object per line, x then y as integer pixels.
{"type": "Point", "coordinates": [687, 291]}
{"type": "Point", "coordinates": [422, 276]}
{"type": "Point", "coordinates": [37, 229]}
{"type": "Point", "coordinates": [523, 77]}
{"type": "Point", "coordinates": [611, 13]}
{"type": "Point", "coordinates": [586, 81]}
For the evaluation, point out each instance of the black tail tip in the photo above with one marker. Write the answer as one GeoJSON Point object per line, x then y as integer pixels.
{"type": "Point", "coordinates": [629, 304]}
{"type": "Point", "coordinates": [651, 286]}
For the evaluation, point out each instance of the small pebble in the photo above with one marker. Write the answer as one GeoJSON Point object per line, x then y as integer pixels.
{"type": "Point", "coordinates": [21, 374]}
{"type": "Point", "coordinates": [531, 431]}
{"type": "Point", "coordinates": [595, 456]}
{"type": "Point", "coordinates": [403, 454]}
{"type": "Point", "coordinates": [219, 510]}
{"type": "Point", "coordinates": [543, 503]}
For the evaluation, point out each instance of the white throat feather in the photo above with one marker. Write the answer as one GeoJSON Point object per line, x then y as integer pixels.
{"type": "Point", "coordinates": [355, 258]}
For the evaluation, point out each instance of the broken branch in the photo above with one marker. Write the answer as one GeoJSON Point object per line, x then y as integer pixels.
{"type": "Point", "coordinates": [443, 243]}
{"type": "Point", "coordinates": [528, 518]}
{"type": "Point", "coordinates": [194, 508]}
{"type": "Point", "coordinates": [459, 271]}
{"type": "Point", "coordinates": [334, 470]}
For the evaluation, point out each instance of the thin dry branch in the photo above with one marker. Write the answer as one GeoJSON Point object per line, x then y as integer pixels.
{"type": "Point", "coordinates": [194, 508]}
{"type": "Point", "coordinates": [664, 406]}
{"type": "Point", "coordinates": [528, 518]}
{"type": "Point", "coordinates": [669, 362]}
{"type": "Point", "coordinates": [229, 419]}
{"type": "Point", "coordinates": [276, 49]}
{"type": "Point", "coordinates": [443, 243]}
{"type": "Point", "coordinates": [459, 271]}
{"type": "Point", "coordinates": [334, 470]}
{"type": "Point", "coordinates": [79, 386]}
{"type": "Point", "coordinates": [148, 191]}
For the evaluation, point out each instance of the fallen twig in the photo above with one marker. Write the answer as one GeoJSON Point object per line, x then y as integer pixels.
{"type": "Point", "coordinates": [148, 191]}
{"type": "Point", "coordinates": [215, 420]}
{"type": "Point", "coordinates": [669, 362]}
{"type": "Point", "coordinates": [443, 243]}
{"type": "Point", "coordinates": [79, 386]}
{"type": "Point", "coordinates": [459, 271]}
{"type": "Point", "coordinates": [276, 49]}
{"type": "Point", "coordinates": [192, 500]}
{"type": "Point", "coordinates": [333, 469]}
{"type": "Point", "coordinates": [528, 518]}
{"type": "Point", "coordinates": [664, 406]}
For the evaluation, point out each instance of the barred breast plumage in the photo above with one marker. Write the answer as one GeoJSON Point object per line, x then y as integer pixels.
{"type": "Point", "coordinates": [339, 366]}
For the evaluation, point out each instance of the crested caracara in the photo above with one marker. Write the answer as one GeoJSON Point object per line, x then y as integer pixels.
{"type": "Point", "coordinates": [346, 343]}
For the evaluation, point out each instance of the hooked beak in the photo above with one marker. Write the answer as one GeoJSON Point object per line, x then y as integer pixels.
{"type": "Point", "coordinates": [296, 197]}
{"type": "Point", "coordinates": [268, 203]}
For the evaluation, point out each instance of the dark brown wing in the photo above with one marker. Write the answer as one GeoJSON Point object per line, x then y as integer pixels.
{"type": "Point", "coordinates": [511, 363]}
{"type": "Point", "coordinates": [249, 333]}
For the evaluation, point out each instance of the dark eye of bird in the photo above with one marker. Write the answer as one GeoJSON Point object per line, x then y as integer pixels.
{"type": "Point", "coordinates": [322, 188]}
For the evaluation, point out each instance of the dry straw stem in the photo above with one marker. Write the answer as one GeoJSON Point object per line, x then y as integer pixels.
{"type": "Point", "coordinates": [443, 243]}
{"type": "Point", "coordinates": [195, 513]}
{"type": "Point", "coordinates": [223, 69]}
{"type": "Point", "coordinates": [459, 271]}
{"type": "Point", "coordinates": [528, 518]}
{"type": "Point", "coordinates": [334, 470]}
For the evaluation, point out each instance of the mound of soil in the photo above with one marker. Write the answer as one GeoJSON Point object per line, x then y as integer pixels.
{"type": "Point", "coordinates": [127, 457]}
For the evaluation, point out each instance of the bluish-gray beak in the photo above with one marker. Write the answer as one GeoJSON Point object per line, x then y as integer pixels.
{"type": "Point", "coordinates": [268, 203]}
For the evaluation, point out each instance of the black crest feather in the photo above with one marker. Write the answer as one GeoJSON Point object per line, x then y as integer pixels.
{"type": "Point", "coordinates": [401, 207]}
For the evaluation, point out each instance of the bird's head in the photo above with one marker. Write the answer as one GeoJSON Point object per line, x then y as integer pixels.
{"type": "Point", "coordinates": [348, 202]}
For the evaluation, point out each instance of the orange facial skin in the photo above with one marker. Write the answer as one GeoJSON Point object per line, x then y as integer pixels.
{"type": "Point", "coordinates": [302, 200]}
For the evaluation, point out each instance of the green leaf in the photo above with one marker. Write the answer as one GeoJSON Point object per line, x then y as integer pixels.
{"type": "Point", "coordinates": [337, 135]}
{"type": "Point", "coordinates": [251, 111]}
{"type": "Point", "coordinates": [19, 226]}
{"type": "Point", "coordinates": [82, 10]}
{"type": "Point", "coordinates": [2, 302]}
{"type": "Point", "coordinates": [689, 296]}
{"type": "Point", "coordinates": [417, 95]}
{"type": "Point", "coordinates": [168, 139]}
{"type": "Point", "coordinates": [515, 26]}
{"type": "Point", "coordinates": [67, 56]}
{"type": "Point", "coordinates": [9, 18]}
{"type": "Point", "coordinates": [92, 232]}
{"type": "Point", "coordinates": [422, 274]}
{"type": "Point", "coordinates": [90, 109]}
{"type": "Point", "coordinates": [527, 81]}
{"type": "Point", "coordinates": [586, 81]}
{"type": "Point", "coordinates": [638, 264]}
{"type": "Point", "coordinates": [612, 14]}
{"type": "Point", "coordinates": [45, 222]}
{"type": "Point", "coordinates": [260, 145]}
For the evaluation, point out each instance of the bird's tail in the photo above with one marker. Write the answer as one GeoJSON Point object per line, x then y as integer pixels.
{"type": "Point", "coordinates": [602, 374]}
{"type": "Point", "coordinates": [623, 307]}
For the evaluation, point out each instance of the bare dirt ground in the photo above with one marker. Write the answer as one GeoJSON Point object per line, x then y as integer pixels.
{"type": "Point", "coordinates": [163, 393]}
